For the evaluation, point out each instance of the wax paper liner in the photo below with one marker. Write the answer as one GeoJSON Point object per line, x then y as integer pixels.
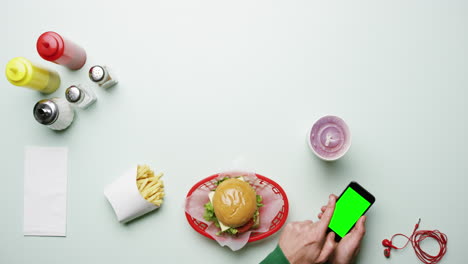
{"type": "Point", "coordinates": [125, 198]}
{"type": "Point", "coordinates": [273, 203]}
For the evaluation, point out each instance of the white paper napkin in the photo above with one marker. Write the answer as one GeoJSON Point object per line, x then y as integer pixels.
{"type": "Point", "coordinates": [45, 191]}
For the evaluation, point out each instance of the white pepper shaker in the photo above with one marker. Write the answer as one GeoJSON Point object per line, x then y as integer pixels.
{"type": "Point", "coordinates": [55, 113]}
{"type": "Point", "coordinates": [102, 76]}
{"type": "Point", "coordinates": [80, 96]}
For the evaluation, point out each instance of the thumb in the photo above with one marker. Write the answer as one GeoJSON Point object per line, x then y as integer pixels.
{"type": "Point", "coordinates": [359, 229]}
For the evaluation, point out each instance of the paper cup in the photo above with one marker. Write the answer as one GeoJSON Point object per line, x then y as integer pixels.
{"type": "Point", "coordinates": [125, 198]}
{"type": "Point", "coordinates": [329, 138]}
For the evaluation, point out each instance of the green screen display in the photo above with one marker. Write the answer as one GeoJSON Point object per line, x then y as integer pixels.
{"type": "Point", "coordinates": [348, 210]}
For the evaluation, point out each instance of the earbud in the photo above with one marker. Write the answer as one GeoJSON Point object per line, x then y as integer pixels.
{"type": "Point", "coordinates": [388, 243]}
{"type": "Point", "coordinates": [386, 252]}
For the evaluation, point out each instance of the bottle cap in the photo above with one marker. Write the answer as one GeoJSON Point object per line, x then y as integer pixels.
{"type": "Point", "coordinates": [46, 112]}
{"type": "Point", "coordinates": [97, 73]}
{"type": "Point", "coordinates": [50, 46]}
{"type": "Point", "coordinates": [19, 71]}
{"type": "Point", "coordinates": [73, 94]}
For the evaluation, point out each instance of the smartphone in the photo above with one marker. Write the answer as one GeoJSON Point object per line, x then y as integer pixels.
{"type": "Point", "coordinates": [353, 202]}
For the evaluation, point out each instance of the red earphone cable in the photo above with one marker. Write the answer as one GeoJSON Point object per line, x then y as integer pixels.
{"type": "Point", "coordinates": [418, 236]}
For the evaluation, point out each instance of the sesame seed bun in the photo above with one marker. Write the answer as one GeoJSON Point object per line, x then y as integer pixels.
{"type": "Point", "coordinates": [234, 202]}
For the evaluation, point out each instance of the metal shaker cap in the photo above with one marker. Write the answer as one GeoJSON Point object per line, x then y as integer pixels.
{"type": "Point", "coordinates": [73, 94]}
{"type": "Point", "coordinates": [97, 73]}
{"type": "Point", "coordinates": [46, 112]}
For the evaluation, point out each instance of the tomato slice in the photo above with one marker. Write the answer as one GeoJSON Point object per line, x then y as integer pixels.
{"type": "Point", "coordinates": [245, 227]}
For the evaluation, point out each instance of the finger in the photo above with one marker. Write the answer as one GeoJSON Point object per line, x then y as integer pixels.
{"type": "Point", "coordinates": [328, 248]}
{"type": "Point", "coordinates": [323, 208]}
{"type": "Point", "coordinates": [320, 215]}
{"type": "Point", "coordinates": [359, 229]}
{"type": "Point", "coordinates": [360, 226]}
{"type": "Point", "coordinates": [327, 215]}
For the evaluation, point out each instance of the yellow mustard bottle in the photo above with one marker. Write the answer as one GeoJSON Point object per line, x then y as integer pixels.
{"type": "Point", "coordinates": [21, 72]}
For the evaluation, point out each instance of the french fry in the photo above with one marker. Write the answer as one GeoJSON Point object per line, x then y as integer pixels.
{"type": "Point", "coordinates": [151, 186]}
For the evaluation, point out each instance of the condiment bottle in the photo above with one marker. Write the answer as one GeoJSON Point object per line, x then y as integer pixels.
{"type": "Point", "coordinates": [55, 113]}
{"type": "Point", "coordinates": [80, 96]}
{"type": "Point", "coordinates": [21, 72]}
{"type": "Point", "coordinates": [55, 48]}
{"type": "Point", "coordinates": [102, 76]}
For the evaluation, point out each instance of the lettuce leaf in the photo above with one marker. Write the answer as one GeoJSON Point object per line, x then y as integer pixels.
{"type": "Point", "coordinates": [259, 201]}
{"type": "Point", "coordinates": [220, 181]}
{"type": "Point", "coordinates": [209, 214]}
{"type": "Point", "coordinates": [231, 231]}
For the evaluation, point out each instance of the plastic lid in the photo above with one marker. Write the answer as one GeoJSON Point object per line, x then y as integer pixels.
{"type": "Point", "coordinates": [17, 70]}
{"type": "Point", "coordinates": [73, 94]}
{"type": "Point", "coordinates": [45, 112]}
{"type": "Point", "coordinates": [329, 138]}
{"type": "Point", "coordinates": [50, 46]}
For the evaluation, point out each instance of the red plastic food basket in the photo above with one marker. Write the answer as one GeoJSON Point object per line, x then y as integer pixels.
{"type": "Point", "coordinates": [276, 223]}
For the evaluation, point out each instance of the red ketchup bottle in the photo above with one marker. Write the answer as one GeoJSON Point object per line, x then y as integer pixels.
{"type": "Point", "coordinates": [55, 48]}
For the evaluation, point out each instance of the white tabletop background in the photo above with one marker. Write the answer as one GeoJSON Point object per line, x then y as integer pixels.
{"type": "Point", "coordinates": [206, 85]}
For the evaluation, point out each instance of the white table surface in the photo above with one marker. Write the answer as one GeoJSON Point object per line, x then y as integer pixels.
{"type": "Point", "coordinates": [208, 84]}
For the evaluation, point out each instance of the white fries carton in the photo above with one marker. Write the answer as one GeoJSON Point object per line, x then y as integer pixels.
{"type": "Point", "coordinates": [125, 198]}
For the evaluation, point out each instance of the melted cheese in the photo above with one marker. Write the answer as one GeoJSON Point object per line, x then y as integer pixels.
{"type": "Point", "coordinates": [221, 225]}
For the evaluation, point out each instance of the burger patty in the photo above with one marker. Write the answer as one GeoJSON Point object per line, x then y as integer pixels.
{"type": "Point", "coordinates": [246, 227]}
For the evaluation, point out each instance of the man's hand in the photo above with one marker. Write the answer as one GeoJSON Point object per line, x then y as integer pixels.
{"type": "Point", "coordinates": [307, 242]}
{"type": "Point", "coordinates": [348, 248]}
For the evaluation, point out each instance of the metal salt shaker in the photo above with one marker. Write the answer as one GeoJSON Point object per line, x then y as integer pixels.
{"type": "Point", "coordinates": [80, 96]}
{"type": "Point", "coordinates": [102, 76]}
{"type": "Point", "coordinates": [55, 113]}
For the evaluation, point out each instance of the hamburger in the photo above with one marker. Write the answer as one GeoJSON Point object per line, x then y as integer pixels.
{"type": "Point", "coordinates": [233, 206]}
